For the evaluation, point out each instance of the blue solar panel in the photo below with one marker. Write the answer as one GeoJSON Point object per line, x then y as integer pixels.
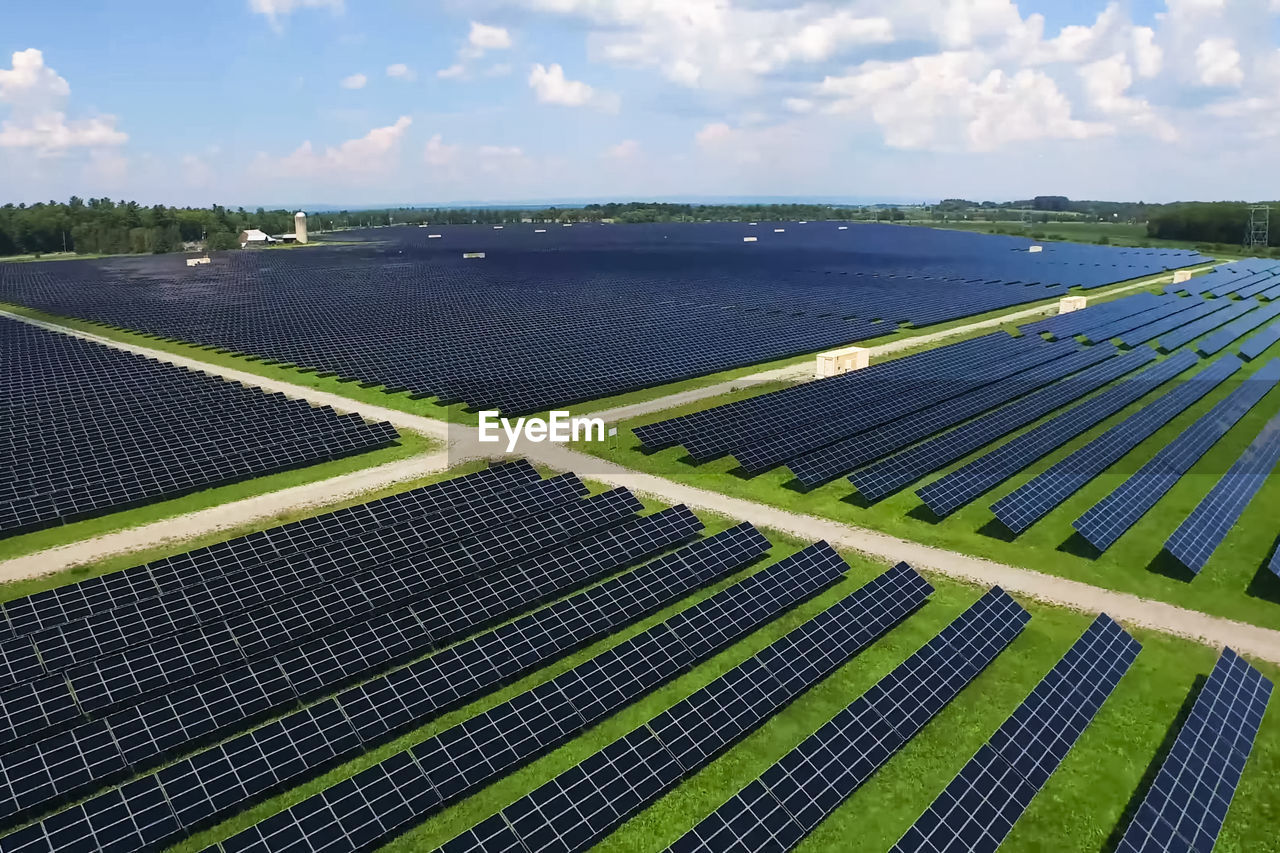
{"type": "Point", "coordinates": [1171, 341]}
{"type": "Point", "coordinates": [1153, 330]}
{"type": "Point", "coordinates": [1033, 500]}
{"type": "Point", "coordinates": [1066, 325]}
{"type": "Point", "coordinates": [1202, 532]}
{"type": "Point", "coordinates": [888, 475]}
{"type": "Point", "coordinates": [1168, 307]}
{"type": "Point", "coordinates": [816, 468]}
{"type": "Point", "coordinates": [949, 493]}
{"type": "Point", "coordinates": [979, 807]}
{"type": "Point", "coordinates": [1108, 519]}
{"type": "Point", "coordinates": [1260, 342]}
{"type": "Point", "coordinates": [1226, 336]}
{"type": "Point", "coordinates": [1185, 807]}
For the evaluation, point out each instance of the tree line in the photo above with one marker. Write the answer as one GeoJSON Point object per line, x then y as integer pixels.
{"type": "Point", "coordinates": [107, 227]}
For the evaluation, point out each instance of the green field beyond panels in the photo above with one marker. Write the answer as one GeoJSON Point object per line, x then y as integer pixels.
{"type": "Point", "coordinates": [1079, 809]}
{"type": "Point", "coordinates": [1235, 583]}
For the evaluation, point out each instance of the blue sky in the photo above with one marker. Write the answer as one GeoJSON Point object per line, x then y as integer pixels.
{"type": "Point", "coordinates": [295, 102]}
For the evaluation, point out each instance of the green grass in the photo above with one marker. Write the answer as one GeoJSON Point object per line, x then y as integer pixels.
{"type": "Point", "coordinates": [1123, 234]}
{"type": "Point", "coordinates": [1234, 584]}
{"type": "Point", "coordinates": [1077, 810]}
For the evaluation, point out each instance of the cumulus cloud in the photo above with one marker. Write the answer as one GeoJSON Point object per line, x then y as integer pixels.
{"type": "Point", "coordinates": [484, 37]}
{"type": "Point", "coordinates": [374, 152]}
{"type": "Point", "coordinates": [36, 95]}
{"type": "Point", "coordinates": [400, 71]}
{"type": "Point", "coordinates": [354, 81]}
{"type": "Point", "coordinates": [437, 153]}
{"type": "Point", "coordinates": [627, 149]}
{"type": "Point", "coordinates": [453, 71]}
{"type": "Point", "coordinates": [550, 86]}
{"type": "Point", "coordinates": [1218, 63]}
{"type": "Point", "coordinates": [1107, 83]}
{"type": "Point", "coordinates": [277, 9]}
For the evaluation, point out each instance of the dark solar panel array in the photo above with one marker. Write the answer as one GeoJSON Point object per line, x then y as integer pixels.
{"type": "Point", "coordinates": [1181, 319]}
{"type": "Point", "coordinates": [1108, 519]}
{"type": "Point", "coordinates": [887, 476]}
{"type": "Point", "coordinates": [91, 429]}
{"type": "Point", "coordinates": [575, 314]}
{"type": "Point", "coordinates": [1237, 329]}
{"type": "Point", "coordinates": [1261, 342]}
{"type": "Point", "coordinates": [463, 759]}
{"type": "Point", "coordinates": [1188, 801]}
{"type": "Point", "coordinates": [981, 804]}
{"type": "Point", "coordinates": [1233, 278]}
{"type": "Point", "coordinates": [63, 604]}
{"type": "Point", "coordinates": [813, 469]}
{"type": "Point", "coordinates": [301, 743]}
{"type": "Point", "coordinates": [1203, 530]}
{"type": "Point", "coordinates": [792, 797]}
{"type": "Point", "coordinates": [1225, 314]}
{"type": "Point", "coordinates": [1172, 306]}
{"type": "Point", "coordinates": [1069, 324]}
{"type": "Point", "coordinates": [799, 401]}
{"type": "Point", "coordinates": [914, 406]}
{"type": "Point", "coordinates": [218, 706]}
{"type": "Point", "coordinates": [1034, 499]}
{"type": "Point", "coordinates": [704, 724]}
{"type": "Point", "coordinates": [949, 493]}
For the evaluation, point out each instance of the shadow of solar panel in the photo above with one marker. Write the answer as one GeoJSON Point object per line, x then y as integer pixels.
{"type": "Point", "coordinates": [1035, 499]}
{"type": "Point", "coordinates": [1203, 530]}
{"type": "Point", "coordinates": [949, 493]}
{"type": "Point", "coordinates": [1108, 519]}
{"type": "Point", "coordinates": [981, 804]}
{"type": "Point", "coordinates": [887, 476]}
{"type": "Point", "coordinates": [1188, 801]}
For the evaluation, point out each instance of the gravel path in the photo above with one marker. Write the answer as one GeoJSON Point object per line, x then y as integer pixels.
{"type": "Point", "coordinates": [1248, 639]}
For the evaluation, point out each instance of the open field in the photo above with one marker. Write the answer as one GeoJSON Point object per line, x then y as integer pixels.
{"type": "Point", "coordinates": [1236, 583]}
{"type": "Point", "coordinates": [1115, 234]}
{"type": "Point", "coordinates": [1081, 808]}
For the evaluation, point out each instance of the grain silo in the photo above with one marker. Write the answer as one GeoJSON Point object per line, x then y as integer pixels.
{"type": "Point", "coordinates": [300, 226]}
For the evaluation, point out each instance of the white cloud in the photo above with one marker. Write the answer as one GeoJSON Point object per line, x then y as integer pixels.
{"type": "Point", "coordinates": [627, 149]}
{"type": "Point", "coordinates": [550, 86]}
{"type": "Point", "coordinates": [934, 102]}
{"type": "Point", "coordinates": [1147, 54]}
{"type": "Point", "coordinates": [372, 153]}
{"type": "Point", "coordinates": [36, 95]}
{"type": "Point", "coordinates": [400, 71]}
{"type": "Point", "coordinates": [1107, 83]}
{"type": "Point", "coordinates": [354, 81]}
{"type": "Point", "coordinates": [484, 37]}
{"type": "Point", "coordinates": [277, 9]}
{"type": "Point", "coordinates": [1218, 63]}
{"type": "Point", "coordinates": [437, 153]}
{"type": "Point", "coordinates": [798, 105]}
{"type": "Point", "coordinates": [713, 134]}
{"type": "Point", "coordinates": [453, 71]}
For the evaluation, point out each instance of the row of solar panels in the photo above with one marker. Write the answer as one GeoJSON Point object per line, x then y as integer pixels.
{"type": "Point", "coordinates": [897, 422]}
{"type": "Point", "coordinates": [92, 429]}
{"type": "Point", "coordinates": [190, 758]}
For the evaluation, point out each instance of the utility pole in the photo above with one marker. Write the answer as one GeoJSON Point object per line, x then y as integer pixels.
{"type": "Point", "coordinates": [1258, 234]}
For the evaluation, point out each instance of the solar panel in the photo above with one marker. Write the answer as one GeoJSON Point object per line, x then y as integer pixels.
{"type": "Point", "coordinates": [214, 783]}
{"type": "Point", "coordinates": [949, 493]}
{"type": "Point", "coordinates": [1067, 325]}
{"type": "Point", "coordinates": [813, 779]}
{"type": "Point", "coordinates": [630, 308]}
{"type": "Point", "coordinates": [1108, 519]}
{"type": "Point", "coordinates": [1171, 341]}
{"type": "Point", "coordinates": [1236, 329]}
{"type": "Point", "coordinates": [1033, 500]}
{"type": "Point", "coordinates": [1188, 800]}
{"type": "Point", "coordinates": [1178, 321]}
{"type": "Point", "coordinates": [887, 476]}
{"type": "Point", "coordinates": [92, 429]}
{"type": "Point", "coordinates": [816, 468]}
{"type": "Point", "coordinates": [982, 803]}
{"type": "Point", "coordinates": [1260, 342]}
{"type": "Point", "coordinates": [1115, 328]}
{"type": "Point", "coordinates": [1202, 532]}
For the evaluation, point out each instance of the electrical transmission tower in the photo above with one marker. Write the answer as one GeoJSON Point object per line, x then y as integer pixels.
{"type": "Point", "coordinates": [1258, 234]}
